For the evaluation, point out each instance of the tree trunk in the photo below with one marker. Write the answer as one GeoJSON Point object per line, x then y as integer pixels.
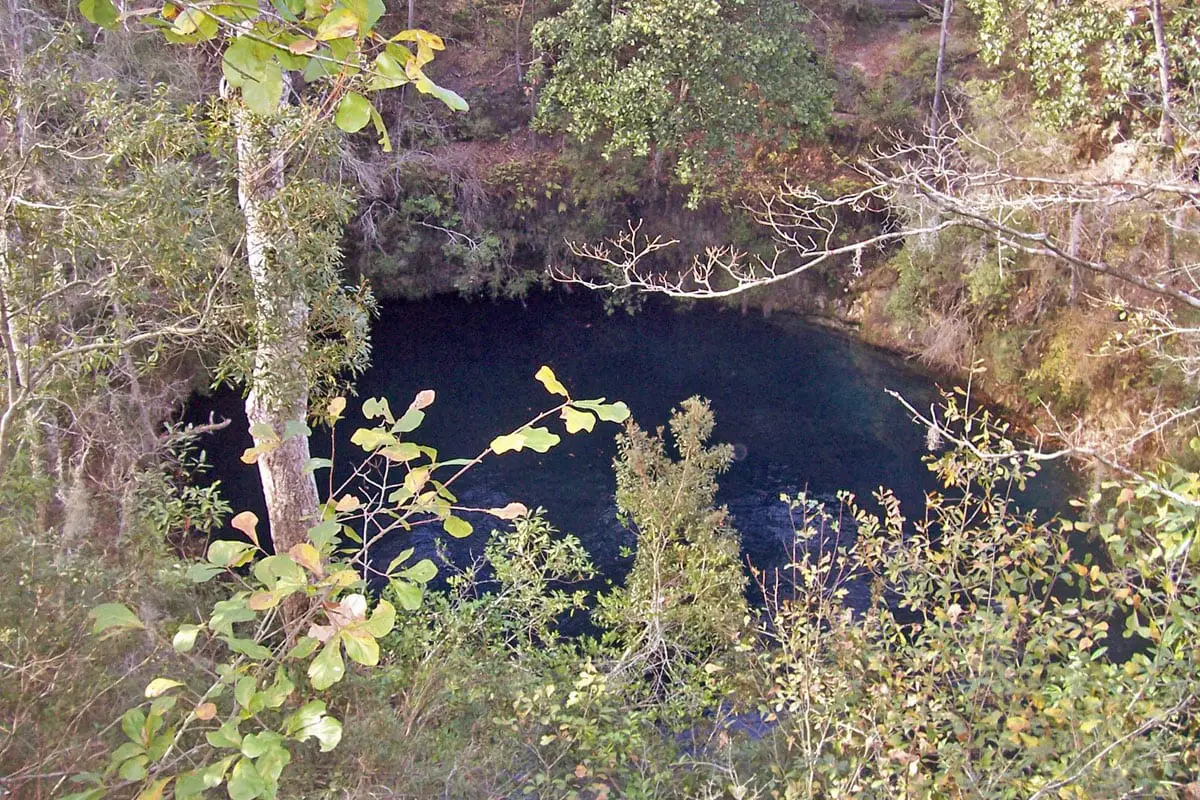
{"type": "Point", "coordinates": [278, 386]}
{"type": "Point", "coordinates": [1167, 124]}
{"type": "Point", "coordinates": [935, 118]}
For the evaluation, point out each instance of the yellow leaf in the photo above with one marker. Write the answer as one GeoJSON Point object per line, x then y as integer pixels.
{"type": "Point", "coordinates": [510, 511]}
{"type": "Point", "coordinates": [338, 24]}
{"type": "Point", "coordinates": [160, 686]}
{"type": "Point", "coordinates": [348, 503]}
{"type": "Point", "coordinates": [155, 790]}
{"type": "Point", "coordinates": [546, 376]}
{"type": "Point", "coordinates": [206, 711]}
{"type": "Point", "coordinates": [1016, 724]}
{"type": "Point", "coordinates": [307, 556]}
{"type": "Point", "coordinates": [337, 404]}
{"type": "Point", "coordinates": [303, 47]}
{"type": "Point", "coordinates": [246, 522]}
{"type": "Point", "coordinates": [261, 601]}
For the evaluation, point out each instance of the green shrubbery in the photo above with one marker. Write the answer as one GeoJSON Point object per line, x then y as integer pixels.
{"type": "Point", "coordinates": [974, 650]}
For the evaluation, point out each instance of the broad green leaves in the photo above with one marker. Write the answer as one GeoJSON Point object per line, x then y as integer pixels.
{"type": "Point", "coordinates": [353, 113]}
{"type": "Point", "coordinates": [100, 12]}
{"type": "Point", "coordinates": [537, 439]}
{"type": "Point", "coordinates": [111, 618]}
{"type": "Point", "coordinates": [324, 41]}
{"type": "Point", "coordinates": [247, 717]}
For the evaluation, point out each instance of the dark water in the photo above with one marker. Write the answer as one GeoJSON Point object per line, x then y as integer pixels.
{"type": "Point", "coordinates": [805, 407]}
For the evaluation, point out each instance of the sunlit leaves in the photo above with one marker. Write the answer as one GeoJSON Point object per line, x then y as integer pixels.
{"type": "Point", "coordinates": [607, 412]}
{"type": "Point", "coordinates": [509, 512]}
{"type": "Point", "coordinates": [457, 527]}
{"type": "Point", "coordinates": [537, 438]}
{"type": "Point", "coordinates": [252, 65]}
{"type": "Point", "coordinates": [99, 12]}
{"type": "Point", "coordinates": [185, 638]}
{"type": "Point", "coordinates": [247, 523]}
{"type": "Point", "coordinates": [311, 722]}
{"type": "Point", "coordinates": [338, 24]}
{"type": "Point", "coordinates": [160, 686]}
{"type": "Point", "coordinates": [577, 420]}
{"type": "Point", "coordinates": [550, 381]}
{"type": "Point", "coordinates": [227, 553]}
{"type": "Point", "coordinates": [327, 668]}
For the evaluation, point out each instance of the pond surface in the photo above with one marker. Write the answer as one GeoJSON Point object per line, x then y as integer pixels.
{"type": "Point", "coordinates": [804, 406]}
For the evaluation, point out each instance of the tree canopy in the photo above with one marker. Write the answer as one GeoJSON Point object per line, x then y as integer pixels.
{"type": "Point", "coordinates": [686, 80]}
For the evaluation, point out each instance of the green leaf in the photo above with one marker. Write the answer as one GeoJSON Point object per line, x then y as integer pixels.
{"type": "Point", "coordinates": [262, 95]}
{"type": "Point", "coordinates": [388, 73]}
{"type": "Point", "coordinates": [114, 617]}
{"type": "Point", "coordinates": [226, 613]}
{"type": "Point", "coordinates": [246, 60]}
{"type": "Point", "coordinates": [407, 594]}
{"type": "Point", "coordinates": [310, 721]}
{"type": "Point", "coordinates": [199, 572]}
{"type": "Point", "coordinates": [539, 439]}
{"type": "Point", "coordinates": [134, 769]}
{"type": "Point", "coordinates": [225, 736]}
{"type": "Point", "coordinates": [411, 420]}
{"type": "Point", "coordinates": [99, 12]}
{"type": "Point", "coordinates": [229, 553]}
{"type": "Point", "coordinates": [278, 692]}
{"type": "Point", "coordinates": [243, 690]}
{"type": "Point", "coordinates": [280, 573]}
{"type": "Point", "coordinates": [194, 21]}
{"type": "Point", "coordinates": [378, 407]}
{"type": "Point", "coordinates": [422, 572]}
{"type": "Point", "coordinates": [402, 451]}
{"type": "Point", "coordinates": [371, 439]}
{"type": "Point", "coordinates": [155, 790]}
{"type": "Point", "coordinates": [450, 99]}
{"type": "Point", "coordinates": [338, 24]}
{"type": "Point", "coordinates": [322, 535]}
{"type": "Point", "coordinates": [185, 638]}
{"type": "Point", "coordinates": [327, 668]}
{"type": "Point", "coordinates": [369, 11]}
{"type": "Point", "coordinates": [577, 420]}
{"type": "Point", "coordinates": [247, 647]}
{"type": "Point", "coordinates": [314, 464]}
{"type": "Point", "coordinates": [360, 646]}
{"type": "Point", "coordinates": [353, 112]}
{"type": "Point", "coordinates": [296, 427]}
{"type": "Point", "coordinates": [607, 412]}
{"type": "Point", "coordinates": [398, 560]}
{"type": "Point", "coordinates": [244, 782]}
{"type": "Point", "coordinates": [259, 744]}
{"type": "Point", "coordinates": [457, 527]}
{"type": "Point", "coordinates": [382, 620]}
{"type": "Point", "coordinates": [304, 648]}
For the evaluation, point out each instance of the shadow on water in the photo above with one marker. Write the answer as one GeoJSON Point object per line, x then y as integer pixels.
{"type": "Point", "coordinates": [804, 406]}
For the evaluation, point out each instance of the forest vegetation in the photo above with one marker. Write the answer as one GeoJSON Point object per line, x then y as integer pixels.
{"type": "Point", "coordinates": [201, 194]}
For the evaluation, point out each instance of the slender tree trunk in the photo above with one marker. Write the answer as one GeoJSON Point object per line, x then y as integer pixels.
{"type": "Point", "coordinates": [1073, 250]}
{"type": "Point", "coordinates": [517, 43]}
{"type": "Point", "coordinates": [278, 388]}
{"type": "Point", "coordinates": [935, 118]}
{"type": "Point", "coordinates": [1167, 124]}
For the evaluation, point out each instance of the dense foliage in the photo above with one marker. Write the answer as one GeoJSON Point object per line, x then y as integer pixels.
{"type": "Point", "coordinates": [680, 79]}
{"type": "Point", "coordinates": [160, 230]}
